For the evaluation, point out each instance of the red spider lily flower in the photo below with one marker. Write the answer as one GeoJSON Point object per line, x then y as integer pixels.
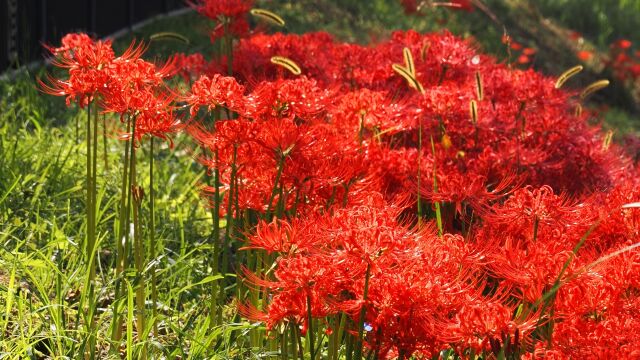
{"type": "Point", "coordinates": [230, 12]}
{"type": "Point", "coordinates": [216, 91]}
{"type": "Point", "coordinates": [465, 5]}
{"type": "Point", "coordinates": [622, 44]}
{"type": "Point", "coordinates": [516, 46]}
{"type": "Point", "coordinates": [87, 62]}
{"type": "Point", "coordinates": [523, 59]}
{"type": "Point", "coordinates": [190, 67]}
{"type": "Point", "coordinates": [214, 9]}
{"type": "Point", "coordinates": [300, 98]}
{"type": "Point", "coordinates": [584, 55]}
{"type": "Point", "coordinates": [349, 193]}
{"type": "Point", "coordinates": [366, 110]}
{"type": "Point", "coordinates": [71, 42]}
{"type": "Point", "coordinates": [529, 51]}
{"type": "Point", "coordinates": [157, 118]}
{"type": "Point", "coordinates": [478, 326]}
{"type": "Point", "coordinates": [574, 35]}
{"type": "Point", "coordinates": [410, 6]}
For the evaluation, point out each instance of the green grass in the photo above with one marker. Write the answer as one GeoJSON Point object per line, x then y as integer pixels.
{"type": "Point", "coordinates": [42, 275]}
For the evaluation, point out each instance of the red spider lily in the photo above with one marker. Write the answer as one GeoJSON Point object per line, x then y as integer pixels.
{"type": "Point", "coordinates": [466, 5]}
{"type": "Point", "coordinates": [622, 44]}
{"type": "Point", "coordinates": [340, 147]}
{"type": "Point", "coordinates": [190, 66]}
{"type": "Point", "coordinates": [585, 55]}
{"type": "Point", "coordinates": [87, 62]}
{"type": "Point", "coordinates": [216, 91]}
{"type": "Point", "coordinates": [230, 15]}
{"type": "Point", "coordinates": [214, 9]}
{"type": "Point", "coordinates": [410, 6]}
{"type": "Point", "coordinates": [70, 42]}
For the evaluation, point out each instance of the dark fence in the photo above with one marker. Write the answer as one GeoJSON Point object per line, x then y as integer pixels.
{"type": "Point", "coordinates": [26, 24]}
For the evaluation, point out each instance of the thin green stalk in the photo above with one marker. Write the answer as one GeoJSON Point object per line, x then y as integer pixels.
{"type": "Point", "coordinates": [284, 345]}
{"type": "Point", "coordinates": [294, 344]}
{"type": "Point", "coordinates": [228, 228]}
{"type": "Point", "coordinates": [349, 346]}
{"type": "Point", "coordinates": [138, 250]}
{"type": "Point", "coordinates": [336, 337]}
{"type": "Point", "coordinates": [91, 231]}
{"type": "Point", "coordinates": [228, 40]}
{"type": "Point", "coordinates": [361, 132]}
{"type": "Point", "coordinates": [116, 332]}
{"type": "Point", "coordinates": [310, 328]}
{"type": "Point", "coordinates": [152, 240]}
{"type": "Point", "coordinates": [363, 311]}
{"type": "Point", "coordinates": [89, 184]}
{"type": "Point", "coordinates": [435, 191]}
{"type": "Point", "coordinates": [419, 200]}
{"type": "Point", "coordinates": [299, 340]}
{"type": "Point", "coordinates": [214, 311]}
{"type": "Point", "coordinates": [104, 142]}
{"type": "Point", "coordinates": [274, 191]}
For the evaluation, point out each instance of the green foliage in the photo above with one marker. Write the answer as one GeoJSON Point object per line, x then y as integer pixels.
{"type": "Point", "coordinates": [603, 21]}
{"type": "Point", "coordinates": [42, 272]}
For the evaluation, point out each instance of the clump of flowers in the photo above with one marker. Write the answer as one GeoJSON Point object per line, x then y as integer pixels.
{"type": "Point", "coordinates": [404, 199]}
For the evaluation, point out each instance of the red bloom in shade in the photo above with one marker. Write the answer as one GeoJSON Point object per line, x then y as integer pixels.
{"type": "Point", "coordinates": [410, 6]}
{"type": "Point", "coordinates": [214, 9]}
{"type": "Point", "coordinates": [584, 55]}
{"type": "Point", "coordinates": [216, 91]}
{"type": "Point", "coordinates": [516, 46]}
{"type": "Point", "coordinates": [523, 59]}
{"type": "Point", "coordinates": [465, 5]}
{"type": "Point", "coordinates": [369, 111]}
{"type": "Point", "coordinates": [231, 12]}
{"type": "Point", "coordinates": [622, 44]}
{"type": "Point", "coordinates": [190, 66]}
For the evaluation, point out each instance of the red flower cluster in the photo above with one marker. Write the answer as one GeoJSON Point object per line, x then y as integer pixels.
{"type": "Point", "coordinates": [344, 164]}
{"type": "Point", "coordinates": [230, 16]}
{"type": "Point", "coordinates": [519, 175]}
{"type": "Point", "coordinates": [624, 62]}
{"type": "Point", "coordinates": [126, 85]}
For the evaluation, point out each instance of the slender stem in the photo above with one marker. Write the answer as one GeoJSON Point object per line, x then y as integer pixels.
{"type": "Point", "coordinates": [215, 238]}
{"type": "Point", "coordinates": [152, 242]}
{"type": "Point", "coordinates": [274, 191]}
{"type": "Point", "coordinates": [91, 239]}
{"type": "Point", "coordinates": [310, 328]}
{"type": "Point", "coordinates": [116, 333]}
{"type": "Point", "coordinates": [94, 188]}
{"type": "Point", "coordinates": [419, 200]}
{"type": "Point", "coordinates": [435, 191]}
{"type": "Point", "coordinates": [228, 48]}
{"type": "Point", "coordinates": [361, 131]}
{"type": "Point", "coordinates": [104, 142]}
{"type": "Point", "coordinates": [228, 228]}
{"type": "Point", "coordinates": [78, 129]}
{"type": "Point", "coordinates": [363, 311]}
{"type": "Point", "coordinates": [138, 251]}
{"type": "Point", "coordinates": [89, 183]}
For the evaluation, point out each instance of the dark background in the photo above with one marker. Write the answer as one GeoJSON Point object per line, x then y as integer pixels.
{"type": "Point", "coordinates": [27, 24]}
